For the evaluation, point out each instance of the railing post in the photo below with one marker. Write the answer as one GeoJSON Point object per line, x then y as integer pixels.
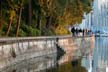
{"type": "Point", "coordinates": [2, 50]}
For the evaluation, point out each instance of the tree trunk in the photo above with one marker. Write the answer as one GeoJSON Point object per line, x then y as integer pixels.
{"type": "Point", "coordinates": [48, 22]}
{"type": "Point", "coordinates": [38, 21]}
{"type": "Point", "coordinates": [0, 17]}
{"type": "Point", "coordinates": [30, 16]}
{"type": "Point", "coordinates": [9, 27]}
{"type": "Point", "coordinates": [19, 20]}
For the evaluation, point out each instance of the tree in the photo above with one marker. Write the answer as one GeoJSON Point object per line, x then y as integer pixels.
{"type": "Point", "coordinates": [19, 20]}
{"type": "Point", "coordinates": [12, 15]}
{"type": "Point", "coordinates": [0, 16]}
{"type": "Point", "coordinates": [45, 17]}
{"type": "Point", "coordinates": [21, 6]}
{"type": "Point", "coordinates": [30, 16]}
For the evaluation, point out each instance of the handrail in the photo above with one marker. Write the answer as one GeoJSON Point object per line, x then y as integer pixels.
{"type": "Point", "coordinates": [13, 39]}
{"type": "Point", "coordinates": [22, 39]}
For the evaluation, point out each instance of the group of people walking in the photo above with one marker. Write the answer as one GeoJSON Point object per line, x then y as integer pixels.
{"type": "Point", "coordinates": [83, 32]}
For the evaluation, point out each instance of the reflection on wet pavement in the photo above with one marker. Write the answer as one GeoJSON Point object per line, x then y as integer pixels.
{"type": "Point", "coordinates": [33, 65]}
{"type": "Point", "coordinates": [89, 56]}
{"type": "Point", "coordinates": [67, 59]}
{"type": "Point", "coordinates": [72, 61]}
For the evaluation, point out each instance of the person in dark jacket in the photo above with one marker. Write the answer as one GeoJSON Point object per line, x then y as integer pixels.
{"type": "Point", "coordinates": [73, 31]}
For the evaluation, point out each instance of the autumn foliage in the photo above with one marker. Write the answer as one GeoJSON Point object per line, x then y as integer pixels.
{"type": "Point", "coordinates": [40, 17]}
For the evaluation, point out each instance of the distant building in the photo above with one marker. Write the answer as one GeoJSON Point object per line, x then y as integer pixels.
{"type": "Point", "coordinates": [98, 18]}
